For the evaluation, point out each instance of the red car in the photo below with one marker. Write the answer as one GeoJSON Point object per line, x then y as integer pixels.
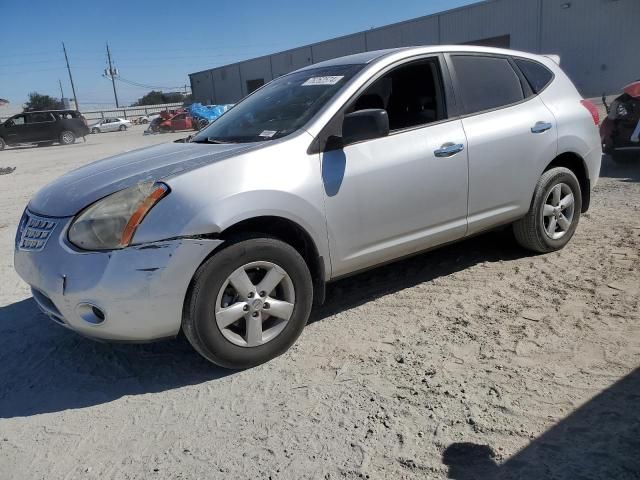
{"type": "Point", "coordinates": [620, 130]}
{"type": "Point", "coordinates": [180, 121]}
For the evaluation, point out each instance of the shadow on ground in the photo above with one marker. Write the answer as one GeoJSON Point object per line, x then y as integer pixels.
{"type": "Point", "coordinates": [46, 368]}
{"type": "Point", "coordinates": [629, 171]}
{"type": "Point", "coordinates": [353, 291]}
{"type": "Point", "coordinates": [600, 440]}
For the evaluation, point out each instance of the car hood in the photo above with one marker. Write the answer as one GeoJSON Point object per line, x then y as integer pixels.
{"type": "Point", "coordinates": [77, 189]}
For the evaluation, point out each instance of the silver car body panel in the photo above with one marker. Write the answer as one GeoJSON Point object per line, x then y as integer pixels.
{"type": "Point", "coordinates": [365, 204]}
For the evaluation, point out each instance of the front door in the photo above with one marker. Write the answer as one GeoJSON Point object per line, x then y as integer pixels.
{"type": "Point", "coordinates": [17, 130]}
{"type": "Point", "coordinates": [396, 195]}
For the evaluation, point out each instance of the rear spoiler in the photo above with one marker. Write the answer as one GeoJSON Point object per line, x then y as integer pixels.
{"type": "Point", "coordinates": [554, 58]}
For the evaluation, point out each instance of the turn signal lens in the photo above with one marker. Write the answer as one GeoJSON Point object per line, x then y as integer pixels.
{"type": "Point", "coordinates": [158, 192]}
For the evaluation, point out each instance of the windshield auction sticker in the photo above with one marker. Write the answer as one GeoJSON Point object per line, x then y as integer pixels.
{"type": "Point", "coordinates": [329, 80]}
{"type": "Point", "coordinates": [268, 133]}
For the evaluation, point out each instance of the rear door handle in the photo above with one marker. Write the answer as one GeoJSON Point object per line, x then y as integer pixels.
{"type": "Point", "coordinates": [540, 127]}
{"type": "Point", "coordinates": [448, 149]}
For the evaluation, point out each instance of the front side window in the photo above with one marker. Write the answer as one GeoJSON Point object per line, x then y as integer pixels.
{"type": "Point", "coordinates": [411, 94]}
{"type": "Point", "coordinates": [280, 108]}
{"type": "Point", "coordinates": [19, 120]}
{"type": "Point", "coordinates": [486, 83]}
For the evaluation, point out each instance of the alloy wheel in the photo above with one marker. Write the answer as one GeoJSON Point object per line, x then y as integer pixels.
{"type": "Point", "coordinates": [254, 304]}
{"type": "Point", "coordinates": [557, 211]}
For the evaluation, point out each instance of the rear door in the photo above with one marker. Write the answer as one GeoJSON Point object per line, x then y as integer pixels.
{"type": "Point", "coordinates": [41, 126]}
{"type": "Point", "coordinates": [511, 137]}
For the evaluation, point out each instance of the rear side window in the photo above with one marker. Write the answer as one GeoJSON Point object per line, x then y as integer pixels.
{"type": "Point", "coordinates": [486, 83]}
{"type": "Point", "coordinates": [40, 117]}
{"type": "Point", "coordinates": [536, 74]}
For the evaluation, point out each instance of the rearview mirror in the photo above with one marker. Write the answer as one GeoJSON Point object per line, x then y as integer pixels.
{"type": "Point", "coordinates": [365, 125]}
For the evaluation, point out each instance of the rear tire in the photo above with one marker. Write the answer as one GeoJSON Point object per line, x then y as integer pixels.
{"type": "Point", "coordinates": [213, 291]}
{"type": "Point", "coordinates": [2, 143]}
{"type": "Point", "coordinates": [95, 130]}
{"type": "Point", "coordinates": [67, 137]}
{"type": "Point", "coordinates": [554, 214]}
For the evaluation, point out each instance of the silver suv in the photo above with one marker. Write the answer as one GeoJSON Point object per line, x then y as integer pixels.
{"type": "Point", "coordinates": [343, 165]}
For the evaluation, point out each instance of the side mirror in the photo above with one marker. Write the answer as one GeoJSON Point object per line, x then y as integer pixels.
{"type": "Point", "coordinates": [365, 125]}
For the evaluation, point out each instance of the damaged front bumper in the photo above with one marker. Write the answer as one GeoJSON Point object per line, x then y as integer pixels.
{"type": "Point", "coordinates": [134, 294]}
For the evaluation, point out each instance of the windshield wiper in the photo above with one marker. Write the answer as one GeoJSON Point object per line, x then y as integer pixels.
{"type": "Point", "coordinates": [211, 140]}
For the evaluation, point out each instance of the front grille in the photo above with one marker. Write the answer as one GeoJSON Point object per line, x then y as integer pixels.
{"type": "Point", "coordinates": [34, 232]}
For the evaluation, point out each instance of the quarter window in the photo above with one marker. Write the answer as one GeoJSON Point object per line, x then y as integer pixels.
{"type": "Point", "coordinates": [536, 74]}
{"type": "Point", "coordinates": [486, 83]}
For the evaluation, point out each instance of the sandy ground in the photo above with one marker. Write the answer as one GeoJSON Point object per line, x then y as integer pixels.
{"type": "Point", "coordinates": [476, 361]}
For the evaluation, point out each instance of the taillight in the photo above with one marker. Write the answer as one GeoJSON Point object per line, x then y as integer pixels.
{"type": "Point", "coordinates": [593, 110]}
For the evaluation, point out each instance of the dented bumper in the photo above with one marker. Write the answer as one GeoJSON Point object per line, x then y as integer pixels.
{"type": "Point", "coordinates": [138, 292]}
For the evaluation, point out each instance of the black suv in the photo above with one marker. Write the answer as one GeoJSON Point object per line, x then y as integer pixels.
{"type": "Point", "coordinates": [44, 127]}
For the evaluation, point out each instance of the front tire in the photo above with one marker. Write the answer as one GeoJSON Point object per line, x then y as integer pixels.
{"type": "Point", "coordinates": [248, 303]}
{"type": "Point", "coordinates": [554, 214]}
{"type": "Point", "coordinates": [2, 143]}
{"type": "Point", "coordinates": [122, 128]}
{"type": "Point", "coordinates": [67, 137]}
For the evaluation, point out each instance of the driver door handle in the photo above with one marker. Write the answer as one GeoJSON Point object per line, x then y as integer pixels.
{"type": "Point", "coordinates": [540, 127]}
{"type": "Point", "coordinates": [448, 149]}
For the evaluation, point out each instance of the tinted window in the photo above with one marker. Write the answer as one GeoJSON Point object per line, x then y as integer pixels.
{"type": "Point", "coordinates": [18, 120]}
{"type": "Point", "coordinates": [39, 117]}
{"type": "Point", "coordinates": [411, 95]}
{"type": "Point", "coordinates": [536, 74]}
{"type": "Point", "coordinates": [486, 82]}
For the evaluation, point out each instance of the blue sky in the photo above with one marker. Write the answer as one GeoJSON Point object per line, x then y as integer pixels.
{"type": "Point", "coordinates": [160, 42]}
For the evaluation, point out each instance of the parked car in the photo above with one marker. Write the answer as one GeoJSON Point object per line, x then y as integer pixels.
{"type": "Point", "coordinates": [43, 128]}
{"type": "Point", "coordinates": [325, 171]}
{"type": "Point", "coordinates": [180, 121]}
{"type": "Point", "coordinates": [620, 130]}
{"type": "Point", "coordinates": [110, 125]}
{"type": "Point", "coordinates": [144, 119]}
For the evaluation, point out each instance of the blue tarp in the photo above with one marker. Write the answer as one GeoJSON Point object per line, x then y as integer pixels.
{"type": "Point", "coordinates": [207, 112]}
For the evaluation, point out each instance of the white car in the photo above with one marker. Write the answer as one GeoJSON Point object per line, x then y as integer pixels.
{"type": "Point", "coordinates": [110, 125]}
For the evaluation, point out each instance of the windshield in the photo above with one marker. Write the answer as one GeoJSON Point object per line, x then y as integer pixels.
{"type": "Point", "coordinates": [279, 108]}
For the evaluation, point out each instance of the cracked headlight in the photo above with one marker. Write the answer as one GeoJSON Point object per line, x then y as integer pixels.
{"type": "Point", "coordinates": [111, 222]}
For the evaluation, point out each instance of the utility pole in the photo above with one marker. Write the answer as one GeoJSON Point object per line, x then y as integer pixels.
{"type": "Point", "coordinates": [73, 88]}
{"type": "Point", "coordinates": [112, 74]}
{"type": "Point", "coordinates": [61, 91]}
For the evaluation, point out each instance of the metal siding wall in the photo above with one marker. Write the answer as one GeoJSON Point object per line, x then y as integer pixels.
{"type": "Point", "coordinates": [338, 47]}
{"type": "Point", "coordinates": [291, 60]}
{"type": "Point", "coordinates": [229, 88]}
{"type": "Point", "coordinates": [201, 87]}
{"type": "Point", "coordinates": [518, 18]}
{"type": "Point", "coordinates": [254, 69]}
{"type": "Point", "coordinates": [597, 41]}
{"type": "Point", "coordinates": [422, 31]}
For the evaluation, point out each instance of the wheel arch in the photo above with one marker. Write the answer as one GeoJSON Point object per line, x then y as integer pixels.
{"type": "Point", "coordinates": [288, 231]}
{"type": "Point", "coordinates": [577, 165]}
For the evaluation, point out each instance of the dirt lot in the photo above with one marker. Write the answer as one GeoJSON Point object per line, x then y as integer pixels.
{"type": "Point", "coordinates": [476, 361]}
